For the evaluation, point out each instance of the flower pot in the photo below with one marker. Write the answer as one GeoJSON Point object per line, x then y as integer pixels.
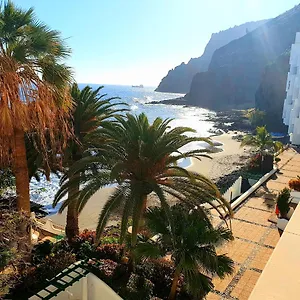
{"type": "Point", "coordinates": [267, 163]}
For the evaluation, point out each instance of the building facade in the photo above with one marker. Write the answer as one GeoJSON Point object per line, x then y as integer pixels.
{"type": "Point", "coordinates": [291, 108]}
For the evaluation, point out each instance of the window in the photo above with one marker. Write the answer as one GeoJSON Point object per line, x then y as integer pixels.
{"type": "Point", "coordinates": [295, 70]}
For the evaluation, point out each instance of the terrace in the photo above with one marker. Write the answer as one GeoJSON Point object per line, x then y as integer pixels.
{"type": "Point", "coordinates": [255, 237]}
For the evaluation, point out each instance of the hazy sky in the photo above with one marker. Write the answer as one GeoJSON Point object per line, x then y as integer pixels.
{"type": "Point", "coordinates": [138, 41]}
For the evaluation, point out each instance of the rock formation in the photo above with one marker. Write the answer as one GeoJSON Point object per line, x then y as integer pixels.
{"type": "Point", "coordinates": [178, 80]}
{"type": "Point", "coordinates": [271, 92]}
{"type": "Point", "coordinates": [236, 69]}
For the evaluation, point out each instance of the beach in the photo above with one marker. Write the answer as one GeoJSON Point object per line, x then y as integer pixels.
{"type": "Point", "coordinates": [222, 163]}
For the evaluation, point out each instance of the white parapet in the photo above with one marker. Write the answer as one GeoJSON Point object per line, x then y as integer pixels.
{"type": "Point", "coordinates": [280, 277]}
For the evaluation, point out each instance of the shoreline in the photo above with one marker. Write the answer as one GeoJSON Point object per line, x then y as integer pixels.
{"type": "Point", "coordinates": [227, 119]}
{"type": "Point", "coordinates": [222, 163]}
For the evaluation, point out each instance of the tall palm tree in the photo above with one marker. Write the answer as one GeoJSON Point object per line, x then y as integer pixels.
{"type": "Point", "coordinates": [261, 141]}
{"type": "Point", "coordinates": [91, 114]}
{"type": "Point", "coordinates": [143, 159]}
{"type": "Point", "coordinates": [34, 100]}
{"type": "Point", "coordinates": [192, 243]}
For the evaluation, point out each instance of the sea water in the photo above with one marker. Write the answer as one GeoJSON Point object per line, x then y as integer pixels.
{"type": "Point", "coordinates": [138, 101]}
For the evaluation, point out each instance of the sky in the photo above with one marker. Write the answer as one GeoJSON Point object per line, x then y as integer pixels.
{"type": "Point", "coordinates": [138, 41]}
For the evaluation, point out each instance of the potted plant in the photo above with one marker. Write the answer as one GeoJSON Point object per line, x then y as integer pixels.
{"type": "Point", "coordinates": [294, 184]}
{"type": "Point", "coordinates": [283, 202]}
{"type": "Point", "coordinates": [277, 160]}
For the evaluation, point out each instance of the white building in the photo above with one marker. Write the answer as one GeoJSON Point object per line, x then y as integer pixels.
{"type": "Point", "coordinates": [291, 108]}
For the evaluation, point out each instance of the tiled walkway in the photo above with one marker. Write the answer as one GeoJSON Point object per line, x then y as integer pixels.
{"type": "Point", "coordinates": [255, 236]}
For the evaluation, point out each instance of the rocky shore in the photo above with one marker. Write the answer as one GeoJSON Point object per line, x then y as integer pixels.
{"type": "Point", "coordinates": [231, 120]}
{"type": "Point", "coordinates": [225, 121]}
{"type": "Point", "coordinates": [176, 101]}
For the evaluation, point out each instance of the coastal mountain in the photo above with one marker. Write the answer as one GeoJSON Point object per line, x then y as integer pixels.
{"type": "Point", "coordinates": [272, 92]}
{"type": "Point", "coordinates": [236, 69]}
{"type": "Point", "coordinates": [178, 80]}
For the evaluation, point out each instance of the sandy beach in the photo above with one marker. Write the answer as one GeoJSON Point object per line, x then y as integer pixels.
{"type": "Point", "coordinates": [222, 163]}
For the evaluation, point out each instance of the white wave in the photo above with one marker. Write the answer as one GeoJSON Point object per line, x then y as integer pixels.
{"type": "Point", "coordinates": [149, 98]}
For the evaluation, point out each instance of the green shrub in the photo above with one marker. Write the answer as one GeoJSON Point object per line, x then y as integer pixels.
{"type": "Point", "coordinates": [5, 256]}
{"type": "Point", "coordinates": [7, 179]}
{"type": "Point", "coordinates": [109, 240]}
{"type": "Point", "coordinates": [256, 117]}
{"type": "Point", "coordinates": [283, 202]}
{"type": "Point", "coordinates": [104, 269]}
{"type": "Point", "coordinates": [85, 251]}
{"type": "Point", "coordinates": [41, 251]}
{"type": "Point", "coordinates": [109, 251]}
{"type": "Point", "coordinates": [277, 159]}
{"type": "Point", "coordinates": [34, 278]}
{"type": "Point", "coordinates": [255, 162]}
{"type": "Point", "coordinates": [138, 288]}
{"type": "Point", "coordinates": [160, 273]}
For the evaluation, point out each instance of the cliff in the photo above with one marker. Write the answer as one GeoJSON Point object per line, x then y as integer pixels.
{"type": "Point", "coordinates": [271, 92]}
{"type": "Point", "coordinates": [236, 69]}
{"type": "Point", "coordinates": [178, 80]}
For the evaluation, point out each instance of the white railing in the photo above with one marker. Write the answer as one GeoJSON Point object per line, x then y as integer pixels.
{"type": "Point", "coordinates": [234, 191]}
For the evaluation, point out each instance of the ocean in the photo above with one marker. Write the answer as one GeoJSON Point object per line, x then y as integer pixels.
{"type": "Point", "coordinates": [137, 98]}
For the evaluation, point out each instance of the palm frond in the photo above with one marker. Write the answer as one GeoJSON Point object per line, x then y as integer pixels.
{"type": "Point", "coordinates": [146, 250]}
{"type": "Point", "coordinates": [114, 201]}
{"type": "Point", "coordinates": [225, 266]}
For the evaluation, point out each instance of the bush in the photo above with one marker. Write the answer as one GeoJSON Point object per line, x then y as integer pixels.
{"type": "Point", "coordinates": [41, 251]}
{"type": "Point", "coordinates": [5, 256]}
{"type": "Point", "coordinates": [277, 159]}
{"type": "Point", "coordinates": [109, 240]}
{"type": "Point", "coordinates": [109, 251]}
{"type": "Point", "coordinates": [34, 278]}
{"type": "Point", "coordinates": [283, 202]}
{"type": "Point", "coordinates": [255, 163]}
{"type": "Point", "coordinates": [7, 281]}
{"type": "Point", "coordinates": [104, 269]}
{"type": "Point", "coordinates": [160, 273]}
{"type": "Point", "coordinates": [110, 236]}
{"type": "Point", "coordinates": [294, 184]}
{"type": "Point", "coordinates": [14, 241]}
{"type": "Point", "coordinates": [256, 117]}
{"type": "Point", "coordinates": [85, 251]}
{"type": "Point", "coordinates": [138, 288]}
{"type": "Point", "coordinates": [85, 236]}
{"type": "Point", "coordinates": [7, 179]}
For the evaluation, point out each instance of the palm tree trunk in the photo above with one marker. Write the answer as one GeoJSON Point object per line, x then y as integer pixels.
{"type": "Point", "coordinates": [141, 221]}
{"type": "Point", "coordinates": [20, 169]}
{"type": "Point", "coordinates": [262, 163]}
{"type": "Point", "coordinates": [172, 295]}
{"type": "Point", "coordinates": [132, 261]}
{"type": "Point", "coordinates": [144, 207]}
{"type": "Point", "coordinates": [72, 226]}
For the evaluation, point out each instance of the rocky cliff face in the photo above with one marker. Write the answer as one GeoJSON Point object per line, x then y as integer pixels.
{"type": "Point", "coordinates": [236, 69]}
{"type": "Point", "coordinates": [178, 80]}
{"type": "Point", "coordinates": [271, 92]}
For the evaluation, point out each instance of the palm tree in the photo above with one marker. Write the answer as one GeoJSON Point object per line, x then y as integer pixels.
{"type": "Point", "coordinates": [192, 243]}
{"type": "Point", "coordinates": [143, 159]}
{"type": "Point", "coordinates": [262, 141]}
{"type": "Point", "coordinates": [34, 99]}
{"type": "Point", "coordinates": [91, 114]}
